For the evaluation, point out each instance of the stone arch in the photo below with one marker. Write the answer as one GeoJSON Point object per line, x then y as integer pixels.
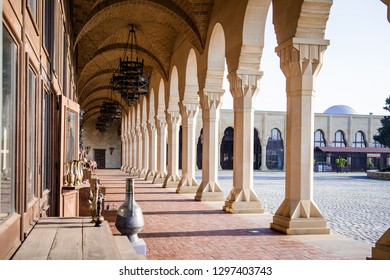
{"type": "Point", "coordinates": [275, 150]}
{"type": "Point", "coordinates": [305, 19]}
{"type": "Point", "coordinates": [216, 59]}
{"type": "Point", "coordinates": [191, 79]}
{"type": "Point", "coordinates": [151, 108]}
{"type": "Point", "coordinates": [173, 95]}
{"type": "Point", "coordinates": [253, 34]}
{"type": "Point", "coordinates": [161, 99]}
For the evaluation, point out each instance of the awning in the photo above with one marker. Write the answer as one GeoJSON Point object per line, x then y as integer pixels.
{"type": "Point", "coordinates": [367, 150]}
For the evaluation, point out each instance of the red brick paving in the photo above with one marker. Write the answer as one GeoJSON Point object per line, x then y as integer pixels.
{"type": "Point", "coordinates": [180, 228]}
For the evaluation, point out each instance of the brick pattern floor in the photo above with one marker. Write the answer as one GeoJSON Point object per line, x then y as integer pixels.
{"type": "Point", "coordinates": [178, 227]}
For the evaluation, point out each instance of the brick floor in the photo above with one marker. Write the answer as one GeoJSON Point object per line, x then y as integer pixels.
{"type": "Point", "coordinates": [178, 227]}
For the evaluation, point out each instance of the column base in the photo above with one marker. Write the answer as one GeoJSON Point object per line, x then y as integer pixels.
{"type": "Point", "coordinates": [159, 178]}
{"type": "Point", "coordinates": [187, 186]}
{"type": "Point", "coordinates": [381, 251]}
{"type": "Point", "coordinates": [243, 203]}
{"type": "Point", "coordinates": [150, 175]}
{"type": "Point", "coordinates": [298, 217]}
{"type": "Point", "coordinates": [300, 226]}
{"type": "Point", "coordinates": [171, 181]}
{"type": "Point", "coordinates": [209, 191]}
{"type": "Point", "coordinates": [142, 174]}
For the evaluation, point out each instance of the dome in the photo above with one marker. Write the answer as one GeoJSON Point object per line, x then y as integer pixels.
{"type": "Point", "coordinates": [340, 110]}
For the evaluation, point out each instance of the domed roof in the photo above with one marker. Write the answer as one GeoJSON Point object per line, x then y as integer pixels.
{"type": "Point", "coordinates": [340, 110]}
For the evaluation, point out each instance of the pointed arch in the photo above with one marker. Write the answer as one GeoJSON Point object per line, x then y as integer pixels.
{"type": "Point", "coordinates": [191, 82]}
{"type": "Point", "coordinates": [173, 96]}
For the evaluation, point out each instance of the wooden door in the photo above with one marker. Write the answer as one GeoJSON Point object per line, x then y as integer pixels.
{"type": "Point", "coordinates": [100, 158]}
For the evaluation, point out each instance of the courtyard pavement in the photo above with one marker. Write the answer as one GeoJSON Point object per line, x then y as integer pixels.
{"type": "Point", "coordinates": [177, 227]}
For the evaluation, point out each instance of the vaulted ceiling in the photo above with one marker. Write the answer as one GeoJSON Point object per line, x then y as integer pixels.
{"type": "Point", "coordinates": [101, 31]}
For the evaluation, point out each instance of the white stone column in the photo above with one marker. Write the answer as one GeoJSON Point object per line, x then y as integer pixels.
{"type": "Point", "coordinates": [242, 198]}
{"type": "Point", "coordinates": [189, 113]}
{"type": "Point", "coordinates": [138, 135]}
{"type": "Point", "coordinates": [161, 150]}
{"type": "Point", "coordinates": [152, 150]}
{"type": "Point", "coordinates": [300, 62]}
{"type": "Point", "coordinates": [123, 153]}
{"type": "Point", "coordinates": [134, 152]}
{"type": "Point", "coordinates": [264, 143]}
{"type": "Point", "coordinates": [145, 151]}
{"type": "Point", "coordinates": [209, 189]}
{"type": "Point", "coordinates": [173, 120]}
{"type": "Point", "coordinates": [130, 151]}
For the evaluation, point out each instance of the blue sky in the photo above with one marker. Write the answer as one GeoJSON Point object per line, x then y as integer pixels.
{"type": "Point", "coordinates": [356, 67]}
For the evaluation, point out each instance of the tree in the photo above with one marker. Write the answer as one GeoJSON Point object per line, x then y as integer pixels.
{"type": "Point", "coordinates": [383, 135]}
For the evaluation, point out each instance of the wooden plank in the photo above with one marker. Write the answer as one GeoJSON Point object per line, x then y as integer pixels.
{"type": "Point", "coordinates": [125, 248]}
{"type": "Point", "coordinates": [39, 242]}
{"type": "Point", "coordinates": [67, 244]}
{"type": "Point", "coordinates": [98, 243]}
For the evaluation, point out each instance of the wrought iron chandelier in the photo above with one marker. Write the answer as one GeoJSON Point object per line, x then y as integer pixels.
{"type": "Point", "coordinates": [130, 80]}
{"type": "Point", "coordinates": [110, 112]}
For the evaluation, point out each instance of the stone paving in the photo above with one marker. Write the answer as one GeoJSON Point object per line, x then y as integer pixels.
{"type": "Point", "coordinates": [354, 205]}
{"type": "Point", "coordinates": [177, 227]}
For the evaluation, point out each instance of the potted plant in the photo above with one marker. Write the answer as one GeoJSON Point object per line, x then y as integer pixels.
{"type": "Point", "coordinates": [340, 162]}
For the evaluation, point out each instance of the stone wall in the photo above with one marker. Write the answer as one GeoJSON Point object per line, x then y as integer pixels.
{"type": "Point", "coordinates": [378, 175]}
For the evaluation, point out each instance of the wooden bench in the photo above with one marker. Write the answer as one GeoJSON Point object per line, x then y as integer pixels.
{"type": "Point", "coordinates": [74, 238]}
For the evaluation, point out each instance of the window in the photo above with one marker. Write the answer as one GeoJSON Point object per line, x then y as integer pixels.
{"type": "Point", "coordinates": [359, 141]}
{"type": "Point", "coordinates": [275, 151]}
{"type": "Point", "coordinates": [319, 140]}
{"type": "Point", "coordinates": [31, 134]}
{"type": "Point", "coordinates": [7, 127]}
{"type": "Point", "coordinates": [32, 5]}
{"type": "Point", "coordinates": [339, 139]}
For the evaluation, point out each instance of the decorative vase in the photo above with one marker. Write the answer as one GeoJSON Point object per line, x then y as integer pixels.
{"type": "Point", "coordinates": [129, 219]}
{"type": "Point", "coordinates": [71, 177]}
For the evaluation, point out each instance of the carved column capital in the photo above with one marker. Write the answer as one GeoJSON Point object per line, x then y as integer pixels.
{"type": "Point", "coordinates": [242, 83]}
{"type": "Point", "coordinates": [172, 116]}
{"type": "Point", "coordinates": [301, 56]}
{"type": "Point", "coordinates": [188, 110]}
{"type": "Point", "coordinates": [211, 99]}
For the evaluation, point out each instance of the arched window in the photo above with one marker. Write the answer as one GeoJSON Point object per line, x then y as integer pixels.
{"type": "Point", "coordinates": [339, 140]}
{"type": "Point", "coordinates": [256, 151]}
{"type": "Point", "coordinates": [275, 151]}
{"type": "Point", "coordinates": [359, 141]}
{"type": "Point", "coordinates": [319, 140]}
{"type": "Point", "coordinates": [227, 149]}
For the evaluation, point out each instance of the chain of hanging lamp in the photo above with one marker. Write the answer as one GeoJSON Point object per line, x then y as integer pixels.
{"type": "Point", "coordinates": [130, 80]}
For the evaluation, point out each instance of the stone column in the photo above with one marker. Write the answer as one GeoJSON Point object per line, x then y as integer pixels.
{"type": "Point", "coordinates": [123, 155]}
{"type": "Point", "coordinates": [152, 150]}
{"type": "Point", "coordinates": [173, 120]}
{"type": "Point", "coordinates": [161, 150]}
{"type": "Point", "coordinates": [264, 143]}
{"type": "Point", "coordinates": [134, 152]}
{"type": "Point", "coordinates": [209, 189]}
{"type": "Point", "coordinates": [145, 151]}
{"type": "Point", "coordinates": [300, 62]}
{"type": "Point", "coordinates": [189, 113]}
{"type": "Point", "coordinates": [130, 151]}
{"type": "Point", "coordinates": [242, 198]}
{"type": "Point", "coordinates": [138, 135]}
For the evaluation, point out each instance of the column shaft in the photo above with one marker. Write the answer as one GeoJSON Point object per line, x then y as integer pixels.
{"type": "Point", "coordinates": [172, 179]}
{"type": "Point", "coordinates": [161, 150]}
{"type": "Point", "coordinates": [189, 113]}
{"type": "Point", "coordinates": [298, 214]}
{"type": "Point", "coordinates": [152, 151]}
{"type": "Point", "coordinates": [209, 189]}
{"type": "Point", "coordinates": [242, 198]}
